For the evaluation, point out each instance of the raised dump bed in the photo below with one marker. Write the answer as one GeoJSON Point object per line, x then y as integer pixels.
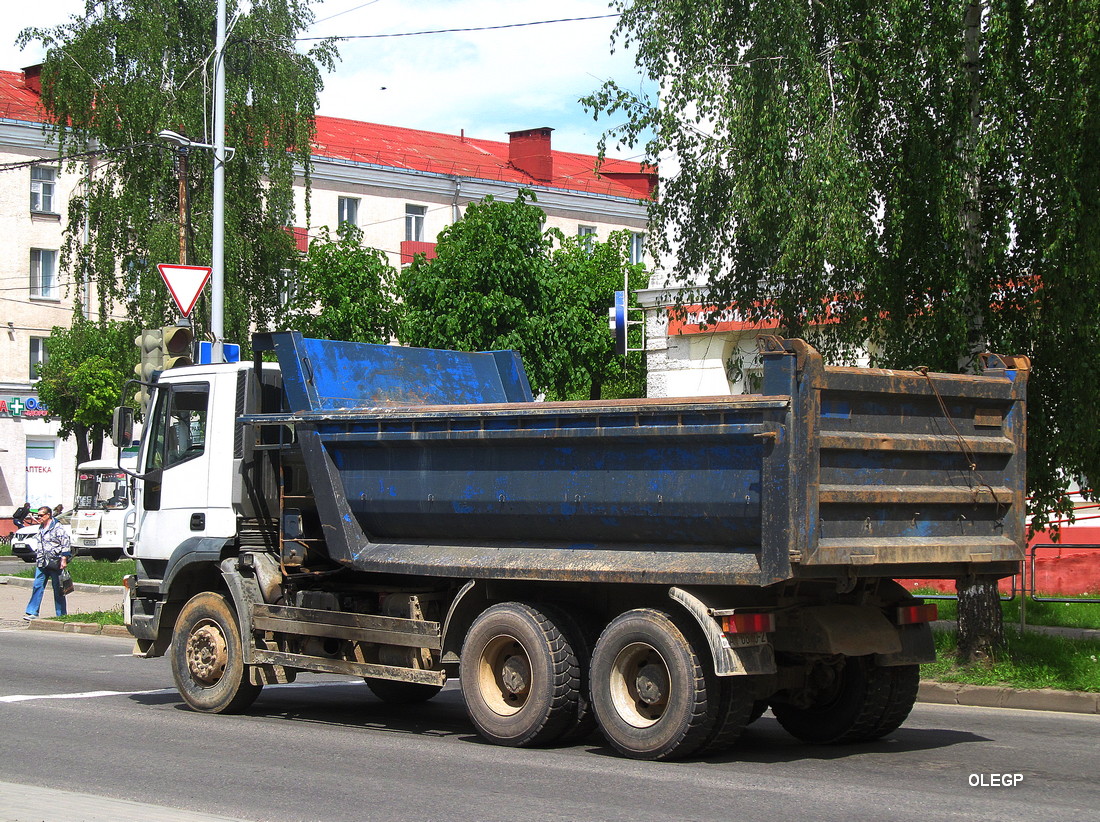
{"type": "Point", "coordinates": [438, 463]}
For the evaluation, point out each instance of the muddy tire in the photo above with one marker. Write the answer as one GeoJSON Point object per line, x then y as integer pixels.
{"type": "Point", "coordinates": [654, 696]}
{"type": "Point", "coordinates": [395, 692]}
{"type": "Point", "coordinates": [904, 682]}
{"type": "Point", "coordinates": [520, 676]}
{"type": "Point", "coordinates": [581, 636]}
{"type": "Point", "coordinates": [865, 702]}
{"type": "Point", "coordinates": [207, 658]}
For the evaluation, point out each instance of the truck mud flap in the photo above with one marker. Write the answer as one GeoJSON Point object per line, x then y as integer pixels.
{"type": "Point", "coordinates": [917, 647]}
{"type": "Point", "coordinates": [851, 630]}
{"type": "Point", "coordinates": [731, 657]}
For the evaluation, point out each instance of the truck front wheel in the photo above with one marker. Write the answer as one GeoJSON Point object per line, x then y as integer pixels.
{"type": "Point", "coordinates": [654, 696]}
{"type": "Point", "coordinates": [520, 676]}
{"type": "Point", "coordinates": [207, 658]}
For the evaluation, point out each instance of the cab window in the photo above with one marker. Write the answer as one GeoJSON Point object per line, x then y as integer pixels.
{"type": "Point", "coordinates": [178, 426]}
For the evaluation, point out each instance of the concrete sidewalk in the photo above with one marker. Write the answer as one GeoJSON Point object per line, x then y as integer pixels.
{"type": "Point", "coordinates": [14, 593]}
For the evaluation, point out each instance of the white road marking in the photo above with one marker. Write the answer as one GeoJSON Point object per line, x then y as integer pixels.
{"type": "Point", "coordinates": [96, 694]}
{"type": "Point", "coordinates": [84, 695]}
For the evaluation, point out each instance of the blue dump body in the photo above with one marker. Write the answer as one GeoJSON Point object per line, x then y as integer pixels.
{"type": "Point", "coordinates": [437, 463]}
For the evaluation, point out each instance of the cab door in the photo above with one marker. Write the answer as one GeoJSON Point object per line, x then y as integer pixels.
{"type": "Point", "coordinates": [174, 493]}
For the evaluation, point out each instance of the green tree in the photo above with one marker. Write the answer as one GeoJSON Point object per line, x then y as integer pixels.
{"type": "Point", "coordinates": [927, 176]}
{"type": "Point", "coordinates": [485, 288]}
{"type": "Point", "coordinates": [580, 350]}
{"type": "Point", "coordinates": [499, 280]}
{"type": "Point", "coordinates": [82, 380]}
{"type": "Point", "coordinates": [125, 70]}
{"type": "Point", "coordinates": [343, 290]}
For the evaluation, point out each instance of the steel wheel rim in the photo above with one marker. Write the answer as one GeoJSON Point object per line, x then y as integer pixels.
{"type": "Point", "coordinates": [207, 653]}
{"type": "Point", "coordinates": [640, 683]}
{"type": "Point", "coordinates": [504, 675]}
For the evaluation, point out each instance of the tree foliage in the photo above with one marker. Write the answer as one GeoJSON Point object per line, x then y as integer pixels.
{"type": "Point", "coordinates": [924, 176]}
{"type": "Point", "coordinates": [499, 281]}
{"type": "Point", "coordinates": [343, 290]}
{"type": "Point", "coordinates": [81, 382]}
{"type": "Point", "coordinates": [126, 70]}
{"type": "Point", "coordinates": [580, 349]}
{"type": "Point", "coordinates": [483, 290]}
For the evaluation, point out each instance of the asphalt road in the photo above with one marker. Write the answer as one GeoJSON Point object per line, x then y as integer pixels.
{"type": "Point", "coordinates": [101, 722]}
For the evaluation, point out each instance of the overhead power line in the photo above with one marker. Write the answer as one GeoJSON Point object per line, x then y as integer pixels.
{"type": "Point", "coordinates": [455, 31]}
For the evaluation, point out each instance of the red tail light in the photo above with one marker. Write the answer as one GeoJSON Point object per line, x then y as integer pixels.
{"type": "Point", "coordinates": [748, 623]}
{"type": "Point", "coordinates": [914, 614]}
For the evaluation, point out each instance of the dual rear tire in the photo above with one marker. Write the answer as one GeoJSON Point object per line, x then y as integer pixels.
{"type": "Point", "coordinates": [653, 695]}
{"type": "Point", "coordinates": [523, 675]}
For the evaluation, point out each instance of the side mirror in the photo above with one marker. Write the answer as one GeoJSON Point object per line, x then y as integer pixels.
{"type": "Point", "coordinates": [122, 427]}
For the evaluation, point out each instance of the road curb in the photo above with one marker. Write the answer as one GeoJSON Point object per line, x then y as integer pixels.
{"type": "Point", "coordinates": [985, 696]}
{"type": "Point", "coordinates": [77, 627]}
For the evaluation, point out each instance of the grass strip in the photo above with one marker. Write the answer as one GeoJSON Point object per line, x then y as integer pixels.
{"type": "Point", "coordinates": [1028, 661]}
{"type": "Point", "coordinates": [94, 572]}
{"type": "Point", "coordinates": [112, 617]}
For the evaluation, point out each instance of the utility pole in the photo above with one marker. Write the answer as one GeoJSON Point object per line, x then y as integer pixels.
{"type": "Point", "coordinates": [181, 170]}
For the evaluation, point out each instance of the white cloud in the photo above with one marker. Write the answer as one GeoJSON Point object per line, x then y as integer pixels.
{"type": "Point", "coordinates": [486, 82]}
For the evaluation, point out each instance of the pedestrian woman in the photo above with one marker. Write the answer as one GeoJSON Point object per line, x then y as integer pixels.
{"type": "Point", "coordinates": [51, 553]}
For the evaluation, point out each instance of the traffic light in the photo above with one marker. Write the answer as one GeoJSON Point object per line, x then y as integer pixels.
{"type": "Point", "coordinates": [149, 342]}
{"type": "Point", "coordinates": [176, 343]}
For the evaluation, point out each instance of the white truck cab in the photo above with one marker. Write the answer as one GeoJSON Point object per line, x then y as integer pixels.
{"type": "Point", "coordinates": [187, 461]}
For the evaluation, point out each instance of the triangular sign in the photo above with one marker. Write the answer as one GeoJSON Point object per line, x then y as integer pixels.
{"type": "Point", "coordinates": [185, 282]}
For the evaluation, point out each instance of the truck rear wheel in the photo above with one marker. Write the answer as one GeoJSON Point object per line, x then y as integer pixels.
{"type": "Point", "coordinates": [863, 703]}
{"type": "Point", "coordinates": [735, 711]}
{"type": "Point", "coordinates": [207, 658]}
{"type": "Point", "coordinates": [904, 684]}
{"type": "Point", "coordinates": [520, 676]}
{"type": "Point", "coordinates": [396, 692]}
{"type": "Point", "coordinates": [653, 695]}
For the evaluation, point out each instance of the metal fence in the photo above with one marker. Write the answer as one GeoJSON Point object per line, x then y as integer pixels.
{"type": "Point", "coordinates": [1025, 583]}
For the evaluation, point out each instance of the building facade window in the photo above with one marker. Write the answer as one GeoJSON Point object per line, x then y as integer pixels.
{"type": "Point", "coordinates": [43, 181]}
{"type": "Point", "coordinates": [39, 355]}
{"type": "Point", "coordinates": [637, 249]}
{"type": "Point", "coordinates": [44, 274]}
{"type": "Point", "coordinates": [348, 208]}
{"type": "Point", "coordinates": [587, 233]}
{"type": "Point", "coordinates": [414, 223]}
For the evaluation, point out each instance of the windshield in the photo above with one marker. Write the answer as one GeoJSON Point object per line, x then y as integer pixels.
{"type": "Point", "coordinates": [102, 489]}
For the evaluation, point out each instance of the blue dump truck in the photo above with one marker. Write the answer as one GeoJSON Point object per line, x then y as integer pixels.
{"type": "Point", "coordinates": [662, 570]}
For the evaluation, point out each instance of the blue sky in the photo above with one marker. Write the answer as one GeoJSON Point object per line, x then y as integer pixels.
{"type": "Point", "coordinates": [486, 82]}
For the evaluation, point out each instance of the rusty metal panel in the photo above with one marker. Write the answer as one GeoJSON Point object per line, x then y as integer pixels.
{"type": "Point", "coordinates": [919, 469]}
{"type": "Point", "coordinates": [341, 666]}
{"type": "Point", "coordinates": [345, 625]}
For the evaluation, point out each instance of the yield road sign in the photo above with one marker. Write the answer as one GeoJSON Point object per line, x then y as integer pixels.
{"type": "Point", "coordinates": [185, 282]}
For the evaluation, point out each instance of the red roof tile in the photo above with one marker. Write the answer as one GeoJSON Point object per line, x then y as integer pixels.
{"type": "Point", "coordinates": [17, 102]}
{"type": "Point", "coordinates": [406, 148]}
